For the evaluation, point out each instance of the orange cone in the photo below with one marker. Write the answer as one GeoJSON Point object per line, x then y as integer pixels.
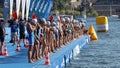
{"type": "Point", "coordinates": [5, 53]}
{"type": "Point", "coordinates": [18, 48]}
{"type": "Point", "coordinates": [47, 62]}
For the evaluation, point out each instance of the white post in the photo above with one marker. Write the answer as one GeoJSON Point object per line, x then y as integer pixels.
{"type": "Point", "coordinates": [27, 8]}
{"type": "Point", "coordinates": [11, 8]}
{"type": "Point", "coordinates": [23, 9]}
{"type": "Point", "coordinates": [111, 9]}
{"type": "Point", "coordinates": [18, 7]}
{"type": "Point", "coordinates": [85, 10]}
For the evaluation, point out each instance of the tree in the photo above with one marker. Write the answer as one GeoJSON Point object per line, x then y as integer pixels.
{"type": "Point", "coordinates": [1, 12]}
{"type": "Point", "coordinates": [91, 12]}
{"type": "Point", "coordinates": [58, 4]}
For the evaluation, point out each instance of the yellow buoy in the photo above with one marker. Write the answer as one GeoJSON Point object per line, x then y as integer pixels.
{"type": "Point", "coordinates": [92, 33]}
{"type": "Point", "coordinates": [102, 23]}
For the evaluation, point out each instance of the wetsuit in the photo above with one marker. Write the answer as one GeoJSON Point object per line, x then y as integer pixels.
{"type": "Point", "coordinates": [40, 32]}
{"type": "Point", "coordinates": [2, 33]}
{"type": "Point", "coordinates": [22, 30]}
{"type": "Point", "coordinates": [14, 30]}
{"type": "Point", "coordinates": [30, 36]}
{"type": "Point", "coordinates": [11, 23]}
{"type": "Point", "coordinates": [56, 35]}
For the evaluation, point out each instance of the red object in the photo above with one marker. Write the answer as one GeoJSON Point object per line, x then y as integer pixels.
{"type": "Point", "coordinates": [15, 15]}
{"type": "Point", "coordinates": [34, 16]}
{"type": "Point", "coordinates": [5, 53]}
{"type": "Point", "coordinates": [51, 18]}
{"type": "Point", "coordinates": [47, 62]}
{"type": "Point", "coordinates": [60, 17]}
{"type": "Point", "coordinates": [18, 48]}
{"type": "Point", "coordinates": [26, 43]}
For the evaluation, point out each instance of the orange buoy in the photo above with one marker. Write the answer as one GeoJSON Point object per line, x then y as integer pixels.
{"type": "Point", "coordinates": [92, 33]}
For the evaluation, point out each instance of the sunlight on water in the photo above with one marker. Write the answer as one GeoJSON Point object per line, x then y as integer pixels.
{"type": "Point", "coordinates": [104, 53]}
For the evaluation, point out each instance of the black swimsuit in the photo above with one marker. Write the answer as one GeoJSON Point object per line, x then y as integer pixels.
{"type": "Point", "coordinates": [2, 29]}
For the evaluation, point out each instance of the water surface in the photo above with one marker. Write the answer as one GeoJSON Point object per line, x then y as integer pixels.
{"type": "Point", "coordinates": [104, 53]}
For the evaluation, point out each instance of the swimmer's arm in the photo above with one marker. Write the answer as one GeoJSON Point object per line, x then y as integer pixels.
{"type": "Point", "coordinates": [4, 31]}
{"type": "Point", "coordinates": [33, 28]}
{"type": "Point", "coordinates": [30, 27]}
{"type": "Point", "coordinates": [36, 37]}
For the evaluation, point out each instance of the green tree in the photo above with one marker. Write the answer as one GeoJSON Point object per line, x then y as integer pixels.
{"type": "Point", "coordinates": [1, 12]}
{"type": "Point", "coordinates": [1, 15]}
{"type": "Point", "coordinates": [59, 4]}
{"type": "Point", "coordinates": [94, 13]}
{"type": "Point", "coordinates": [91, 12]}
{"type": "Point", "coordinates": [62, 12]}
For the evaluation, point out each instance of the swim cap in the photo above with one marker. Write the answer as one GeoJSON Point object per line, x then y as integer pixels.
{"type": "Point", "coordinates": [34, 21]}
{"type": "Point", "coordinates": [63, 20]}
{"type": "Point", "coordinates": [48, 22]}
{"type": "Point", "coordinates": [67, 19]}
{"type": "Point", "coordinates": [43, 20]}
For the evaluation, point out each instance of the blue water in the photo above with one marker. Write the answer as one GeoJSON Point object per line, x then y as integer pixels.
{"type": "Point", "coordinates": [104, 53]}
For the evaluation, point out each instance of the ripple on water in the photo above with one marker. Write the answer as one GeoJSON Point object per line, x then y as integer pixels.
{"type": "Point", "coordinates": [103, 53]}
